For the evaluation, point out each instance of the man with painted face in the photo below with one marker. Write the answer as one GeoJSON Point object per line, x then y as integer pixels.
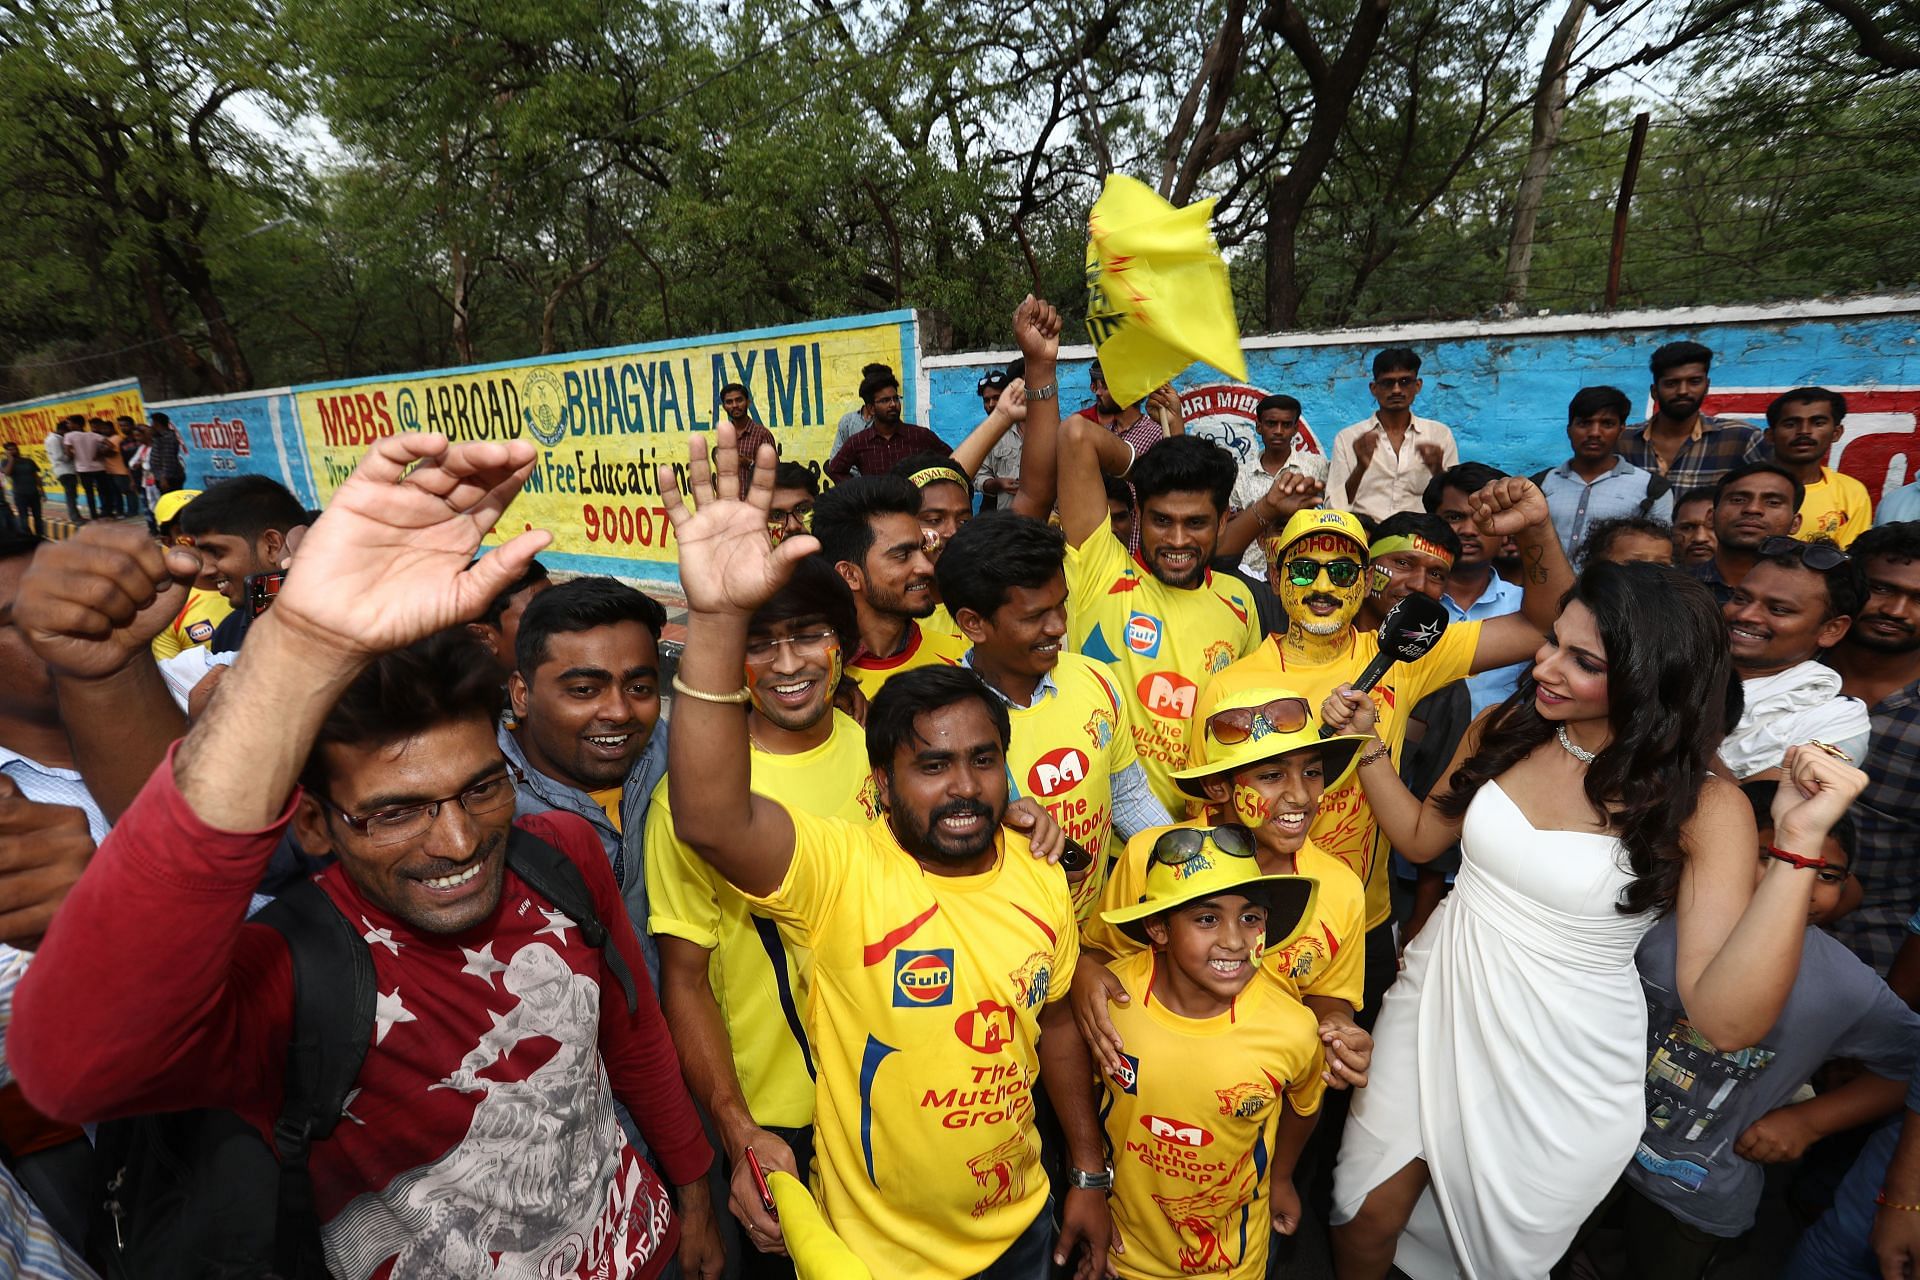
{"type": "Point", "coordinates": [1162, 619]}
{"type": "Point", "coordinates": [1411, 554]}
{"type": "Point", "coordinates": [1004, 576]}
{"type": "Point", "coordinates": [869, 530]}
{"type": "Point", "coordinates": [941, 951]}
{"type": "Point", "coordinates": [733, 992]}
{"type": "Point", "coordinates": [1319, 563]}
{"type": "Point", "coordinates": [587, 737]}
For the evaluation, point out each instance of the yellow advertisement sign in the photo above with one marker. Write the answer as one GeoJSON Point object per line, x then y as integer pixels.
{"type": "Point", "coordinates": [28, 423]}
{"type": "Point", "coordinates": [603, 420]}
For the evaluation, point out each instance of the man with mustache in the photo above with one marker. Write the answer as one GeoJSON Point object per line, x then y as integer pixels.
{"type": "Point", "coordinates": [1693, 527]}
{"type": "Point", "coordinates": [1677, 442]}
{"type": "Point", "coordinates": [1753, 502]}
{"type": "Point", "coordinates": [1879, 663]}
{"type": "Point", "coordinates": [1474, 591]}
{"type": "Point", "coordinates": [1383, 462]}
{"type": "Point", "coordinates": [1802, 428]}
{"type": "Point", "coordinates": [941, 951]}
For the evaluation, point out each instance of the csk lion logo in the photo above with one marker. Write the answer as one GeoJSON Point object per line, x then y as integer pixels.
{"type": "Point", "coordinates": [1243, 1101]}
{"type": "Point", "coordinates": [870, 798]}
{"type": "Point", "coordinates": [1204, 1220]}
{"type": "Point", "coordinates": [1219, 655]}
{"type": "Point", "coordinates": [1003, 1172]}
{"type": "Point", "coordinates": [1100, 730]}
{"type": "Point", "coordinates": [1032, 979]}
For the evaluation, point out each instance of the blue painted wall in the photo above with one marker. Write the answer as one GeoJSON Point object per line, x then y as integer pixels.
{"type": "Point", "coordinates": [242, 435]}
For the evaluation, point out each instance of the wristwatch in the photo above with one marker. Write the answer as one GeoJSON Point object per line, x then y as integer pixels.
{"type": "Point", "coordinates": [1043, 393]}
{"type": "Point", "coordinates": [1081, 1180]}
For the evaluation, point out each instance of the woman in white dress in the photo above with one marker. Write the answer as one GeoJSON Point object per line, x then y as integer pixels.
{"type": "Point", "coordinates": [1507, 1084]}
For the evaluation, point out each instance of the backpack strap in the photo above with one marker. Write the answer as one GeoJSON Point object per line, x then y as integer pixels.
{"type": "Point", "coordinates": [553, 875]}
{"type": "Point", "coordinates": [1656, 486]}
{"type": "Point", "coordinates": [334, 988]}
{"type": "Point", "coordinates": [1539, 477]}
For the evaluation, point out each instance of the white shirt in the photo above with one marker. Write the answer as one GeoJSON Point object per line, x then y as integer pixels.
{"type": "Point", "coordinates": [1793, 707]}
{"type": "Point", "coordinates": [57, 455]}
{"type": "Point", "coordinates": [46, 784]}
{"type": "Point", "coordinates": [1392, 481]}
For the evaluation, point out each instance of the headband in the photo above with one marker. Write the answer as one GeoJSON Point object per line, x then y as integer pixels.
{"type": "Point", "coordinates": [1409, 542]}
{"type": "Point", "coordinates": [934, 474]}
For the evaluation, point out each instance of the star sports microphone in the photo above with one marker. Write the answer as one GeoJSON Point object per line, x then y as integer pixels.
{"type": "Point", "coordinates": [1407, 634]}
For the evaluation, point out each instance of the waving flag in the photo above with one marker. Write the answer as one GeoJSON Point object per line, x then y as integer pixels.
{"type": "Point", "coordinates": [817, 1253]}
{"type": "Point", "coordinates": [1158, 296]}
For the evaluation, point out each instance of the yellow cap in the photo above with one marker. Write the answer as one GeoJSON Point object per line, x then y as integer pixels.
{"type": "Point", "coordinates": [170, 503]}
{"type": "Point", "coordinates": [1212, 867]}
{"type": "Point", "coordinates": [1321, 520]}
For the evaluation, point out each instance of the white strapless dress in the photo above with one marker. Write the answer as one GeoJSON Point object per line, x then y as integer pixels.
{"type": "Point", "coordinates": [1510, 1055]}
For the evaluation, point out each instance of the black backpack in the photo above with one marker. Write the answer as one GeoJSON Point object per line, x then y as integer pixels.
{"type": "Point", "coordinates": [196, 1195]}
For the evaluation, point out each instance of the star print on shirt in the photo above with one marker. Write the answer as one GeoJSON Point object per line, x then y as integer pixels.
{"type": "Point", "coordinates": [388, 1010]}
{"type": "Point", "coordinates": [346, 1109]}
{"type": "Point", "coordinates": [557, 925]}
{"type": "Point", "coordinates": [481, 963]}
{"type": "Point", "coordinates": [378, 937]}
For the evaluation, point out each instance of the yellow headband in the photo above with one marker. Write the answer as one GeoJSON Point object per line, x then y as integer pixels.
{"type": "Point", "coordinates": [933, 475]}
{"type": "Point", "coordinates": [1409, 542]}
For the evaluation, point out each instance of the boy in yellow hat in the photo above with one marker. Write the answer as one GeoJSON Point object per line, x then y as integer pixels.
{"type": "Point", "coordinates": [1267, 768]}
{"type": "Point", "coordinates": [204, 609]}
{"type": "Point", "coordinates": [1218, 1092]}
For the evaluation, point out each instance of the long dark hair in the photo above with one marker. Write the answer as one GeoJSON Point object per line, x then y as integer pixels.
{"type": "Point", "coordinates": [1667, 673]}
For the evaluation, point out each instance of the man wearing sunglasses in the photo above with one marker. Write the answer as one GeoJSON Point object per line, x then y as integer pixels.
{"type": "Point", "coordinates": [492, 1013]}
{"type": "Point", "coordinates": [1755, 502]}
{"type": "Point", "coordinates": [1799, 600]}
{"type": "Point", "coordinates": [1319, 564]}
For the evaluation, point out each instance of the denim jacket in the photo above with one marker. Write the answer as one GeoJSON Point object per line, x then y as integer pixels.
{"type": "Point", "coordinates": [538, 793]}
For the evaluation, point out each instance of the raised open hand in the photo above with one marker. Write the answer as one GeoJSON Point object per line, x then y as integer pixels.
{"type": "Point", "coordinates": [387, 563]}
{"type": "Point", "coordinates": [1036, 329]}
{"type": "Point", "coordinates": [727, 563]}
{"type": "Point", "coordinates": [1508, 505]}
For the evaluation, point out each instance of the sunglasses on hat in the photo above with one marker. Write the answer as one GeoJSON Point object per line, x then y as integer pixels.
{"type": "Point", "coordinates": [1304, 571]}
{"type": "Point", "coordinates": [1282, 715]}
{"type": "Point", "coordinates": [1181, 845]}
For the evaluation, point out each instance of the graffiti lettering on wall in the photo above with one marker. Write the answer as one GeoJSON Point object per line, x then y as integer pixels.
{"type": "Point", "coordinates": [1881, 447]}
{"type": "Point", "coordinates": [28, 423]}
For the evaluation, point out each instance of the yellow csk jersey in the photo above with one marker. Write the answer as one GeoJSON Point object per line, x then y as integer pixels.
{"type": "Point", "coordinates": [759, 976]}
{"type": "Point", "coordinates": [1191, 1119]}
{"type": "Point", "coordinates": [1836, 506]}
{"type": "Point", "coordinates": [1344, 827]}
{"type": "Point", "coordinates": [924, 648]}
{"type": "Point", "coordinates": [940, 622]}
{"type": "Point", "coordinates": [193, 625]}
{"type": "Point", "coordinates": [1162, 642]}
{"type": "Point", "coordinates": [1327, 959]}
{"type": "Point", "coordinates": [1066, 749]}
{"type": "Point", "coordinates": [924, 1013]}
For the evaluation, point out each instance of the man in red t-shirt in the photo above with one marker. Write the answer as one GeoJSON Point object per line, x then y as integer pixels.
{"type": "Point", "coordinates": [482, 1131]}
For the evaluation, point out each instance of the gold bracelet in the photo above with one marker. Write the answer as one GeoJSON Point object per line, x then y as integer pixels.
{"type": "Point", "coordinates": [1382, 750]}
{"type": "Point", "coordinates": [1885, 1203]}
{"type": "Point", "coordinates": [726, 699]}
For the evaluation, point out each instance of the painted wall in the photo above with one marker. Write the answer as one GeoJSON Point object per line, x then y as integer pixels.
{"type": "Point", "coordinates": [252, 434]}
{"type": "Point", "coordinates": [1503, 387]}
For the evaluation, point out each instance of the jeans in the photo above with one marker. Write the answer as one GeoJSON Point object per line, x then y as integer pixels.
{"type": "Point", "coordinates": [125, 497]}
{"type": "Point", "coordinates": [1835, 1247]}
{"type": "Point", "coordinates": [99, 493]}
{"type": "Point", "coordinates": [1028, 1258]}
{"type": "Point", "coordinates": [71, 483]}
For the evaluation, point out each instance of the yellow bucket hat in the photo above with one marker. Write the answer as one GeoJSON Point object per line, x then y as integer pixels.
{"type": "Point", "coordinates": [1189, 863]}
{"type": "Point", "coordinates": [1258, 724]}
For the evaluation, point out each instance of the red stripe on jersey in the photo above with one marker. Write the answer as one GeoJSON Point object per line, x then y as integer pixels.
{"type": "Point", "coordinates": [1333, 943]}
{"type": "Point", "coordinates": [1238, 612]}
{"type": "Point", "coordinates": [1052, 938]}
{"type": "Point", "coordinates": [877, 951]}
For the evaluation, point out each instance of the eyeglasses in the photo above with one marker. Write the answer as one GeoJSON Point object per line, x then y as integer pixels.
{"type": "Point", "coordinates": [397, 826]}
{"type": "Point", "coordinates": [762, 650]}
{"type": "Point", "coordinates": [1180, 846]}
{"type": "Point", "coordinates": [784, 524]}
{"type": "Point", "coordinates": [1282, 715]}
{"type": "Point", "coordinates": [1826, 875]}
{"type": "Point", "coordinates": [1305, 571]}
{"type": "Point", "coordinates": [1396, 384]}
{"type": "Point", "coordinates": [1817, 556]}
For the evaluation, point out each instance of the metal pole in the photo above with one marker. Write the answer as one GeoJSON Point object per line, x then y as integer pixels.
{"type": "Point", "coordinates": [1627, 179]}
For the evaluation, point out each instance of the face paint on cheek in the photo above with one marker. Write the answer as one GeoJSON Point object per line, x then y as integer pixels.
{"type": "Point", "coordinates": [1250, 808]}
{"type": "Point", "coordinates": [836, 667]}
{"type": "Point", "coordinates": [1378, 579]}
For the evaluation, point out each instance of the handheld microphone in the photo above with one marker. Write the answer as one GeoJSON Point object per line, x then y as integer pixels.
{"type": "Point", "coordinates": [1407, 634]}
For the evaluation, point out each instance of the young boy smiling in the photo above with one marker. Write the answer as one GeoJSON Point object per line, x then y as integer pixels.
{"type": "Point", "coordinates": [1210, 1108]}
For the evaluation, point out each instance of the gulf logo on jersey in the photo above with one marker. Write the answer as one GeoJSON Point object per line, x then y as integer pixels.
{"type": "Point", "coordinates": [1178, 1132]}
{"type": "Point", "coordinates": [922, 979]}
{"type": "Point", "coordinates": [1168, 695]}
{"type": "Point", "coordinates": [1128, 1076]}
{"type": "Point", "coordinates": [1143, 635]}
{"type": "Point", "coordinates": [1061, 769]}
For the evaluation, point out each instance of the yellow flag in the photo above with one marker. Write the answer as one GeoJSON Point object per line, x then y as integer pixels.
{"type": "Point", "coordinates": [817, 1253]}
{"type": "Point", "coordinates": [1158, 296]}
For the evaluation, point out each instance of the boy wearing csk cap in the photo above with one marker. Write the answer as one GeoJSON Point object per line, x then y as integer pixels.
{"type": "Point", "coordinates": [1208, 1112]}
{"type": "Point", "coordinates": [205, 609]}
{"type": "Point", "coordinates": [1268, 768]}
{"type": "Point", "coordinates": [1318, 567]}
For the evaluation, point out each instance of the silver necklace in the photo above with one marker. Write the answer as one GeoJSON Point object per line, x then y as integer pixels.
{"type": "Point", "coordinates": [1581, 754]}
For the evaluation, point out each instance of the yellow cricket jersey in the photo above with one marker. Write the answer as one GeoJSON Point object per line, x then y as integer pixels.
{"type": "Point", "coordinates": [759, 974]}
{"type": "Point", "coordinates": [194, 625]}
{"type": "Point", "coordinates": [924, 1013]}
{"type": "Point", "coordinates": [1191, 1120]}
{"type": "Point", "coordinates": [924, 648]}
{"type": "Point", "coordinates": [1066, 749]}
{"type": "Point", "coordinates": [1162, 642]}
{"type": "Point", "coordinates": [1836, 506]}
{"type": "Point", "coordinates": [940, 622]}
{"type": "Point", "coordinates": [1344, 826]}
{"type": "Point", "coordinates": [1327, 959]}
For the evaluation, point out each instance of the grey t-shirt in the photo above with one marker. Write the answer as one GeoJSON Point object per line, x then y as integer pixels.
{"type": "Point", "coordinates": [1700, 1101]}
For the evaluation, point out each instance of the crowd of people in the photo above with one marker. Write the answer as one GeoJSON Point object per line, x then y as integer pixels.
{"type": "Point", "coordinates": [121, 466]}
{"type": "Point", "coordinates": [1074, 851]}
